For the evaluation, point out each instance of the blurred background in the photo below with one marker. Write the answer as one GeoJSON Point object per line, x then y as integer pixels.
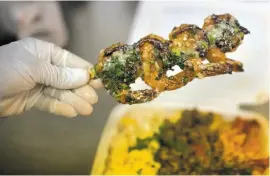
{"type": "Point", "coordinates": [40, 143]}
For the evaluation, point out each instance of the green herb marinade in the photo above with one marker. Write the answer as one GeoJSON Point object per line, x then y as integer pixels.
{"type": "Point", "coordinates": [188, 146]}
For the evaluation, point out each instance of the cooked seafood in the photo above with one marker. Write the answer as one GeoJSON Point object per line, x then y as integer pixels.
{"type": "Point", "coordinates": [152, 56]}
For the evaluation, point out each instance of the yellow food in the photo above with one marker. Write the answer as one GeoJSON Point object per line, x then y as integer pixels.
{"type": "Point", "coordinates": [239, 141]}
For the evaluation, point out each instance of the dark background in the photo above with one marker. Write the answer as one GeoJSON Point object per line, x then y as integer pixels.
{"type": "Point", "coordinates": [40, 143]}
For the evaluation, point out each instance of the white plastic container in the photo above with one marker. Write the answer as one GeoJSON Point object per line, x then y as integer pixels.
{"type": "Point", "coordinates": [140, 112]}
{"type": "Point", "coordinates": [220, 94]}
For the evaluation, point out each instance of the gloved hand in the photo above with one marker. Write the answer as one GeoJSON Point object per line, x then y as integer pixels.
{"type": "Point", "coordinates": [39, 74]}
{"type": "Point", "coordinates": [42, 20]}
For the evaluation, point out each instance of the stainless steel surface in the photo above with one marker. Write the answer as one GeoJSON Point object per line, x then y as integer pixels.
{"type": "Point", "coordinates": [39, 143]}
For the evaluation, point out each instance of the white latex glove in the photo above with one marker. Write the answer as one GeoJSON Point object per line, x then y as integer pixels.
{"type": "Point", "coordinates": [42, 20]}
{"type": "Point", "coordinates": [39, 74]}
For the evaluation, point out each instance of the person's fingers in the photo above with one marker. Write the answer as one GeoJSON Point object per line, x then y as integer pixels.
{"type": "Point", "coordinates": [63, 58]}
{"type": "Point", "coordinates": [66, 96]}
{"type": "Point", "coordinates": [61, 78]}
{"type": "Point", "coordinates": [87, 93]}
{"type": "Point", "coordinates": [12, 105]}
{"type": "Point", "coordinates": [54, 54]}
{"type": "Point", "coordinates": [97, 83]}
{"type": "Point", "coordinates": [46, 103]}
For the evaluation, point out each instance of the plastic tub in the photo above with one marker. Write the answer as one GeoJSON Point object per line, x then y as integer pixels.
{"type": "Point", "coordinates": [140, 112]}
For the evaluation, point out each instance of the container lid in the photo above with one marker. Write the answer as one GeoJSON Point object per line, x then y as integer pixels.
{"type": "Point", "coordinates": [223, 90]}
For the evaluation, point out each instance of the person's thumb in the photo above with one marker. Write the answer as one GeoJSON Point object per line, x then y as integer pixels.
{"type": "Point", "coordinates": [61, 78]}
